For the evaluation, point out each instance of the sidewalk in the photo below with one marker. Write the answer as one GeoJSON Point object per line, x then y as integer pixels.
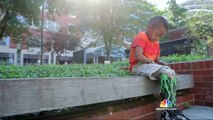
{"type": "Point", "coordinates": [199, 112]}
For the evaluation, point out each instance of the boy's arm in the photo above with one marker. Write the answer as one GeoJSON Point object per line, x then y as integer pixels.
{"type": "Point", "coordinates": [158, 61]}
{"type": "Point", "coordinates": [140, 57]}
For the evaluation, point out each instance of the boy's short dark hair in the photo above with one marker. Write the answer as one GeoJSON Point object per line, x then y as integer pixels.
{"type": "Point", "coordinates": [158, 20]}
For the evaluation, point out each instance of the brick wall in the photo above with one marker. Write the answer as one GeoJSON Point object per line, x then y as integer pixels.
{"type": "Point", "coordinates": [143, 112]}
{"type": "Point", "coordinates": [176, 34]}
{"type": "Point", "coordinates": [202, 94]}
{"type": "Point", "coordinates": [203, 78]}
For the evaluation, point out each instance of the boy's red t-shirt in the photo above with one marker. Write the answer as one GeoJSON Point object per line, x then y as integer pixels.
{"type": "Point", "coordinates": [150, 50]}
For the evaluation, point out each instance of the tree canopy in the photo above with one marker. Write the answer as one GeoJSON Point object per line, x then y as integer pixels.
{"type": "Point", "coordinates": [113, 20]}
{"type": "Point", "coordinates": [176, 15]}
{"type": "Point", "coordinates": [200, 30]}
{"type": "Point", "coordinates": [16, 15]}
{"type": "Point", "coordinates": [109, 20]}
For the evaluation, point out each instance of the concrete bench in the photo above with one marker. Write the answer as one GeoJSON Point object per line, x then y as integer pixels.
{"type": "Point", "coordinates": [21, 96]}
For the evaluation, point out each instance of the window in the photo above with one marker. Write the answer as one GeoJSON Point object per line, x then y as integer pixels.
{"type": "Point", "coordinates": [51, 26]}
{"type": "Point", "coordinates": [5, 41]}
{"type": "Point", "coordinates": [72, 29]}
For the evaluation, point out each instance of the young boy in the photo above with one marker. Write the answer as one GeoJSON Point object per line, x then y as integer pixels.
{"type": "Point", "coordinates": [145, 58]}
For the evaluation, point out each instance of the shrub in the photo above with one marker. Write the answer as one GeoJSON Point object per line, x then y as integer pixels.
{"type": "Point", "coordinates": [181, 58]}
{"type": "Point", "coordinates": [82, 70]}
{"type": "Point", "coordinates": [72, 70]}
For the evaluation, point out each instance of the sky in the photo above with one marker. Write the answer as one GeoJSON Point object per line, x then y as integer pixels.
{"type": "Point", "coordinates": [161, 4]}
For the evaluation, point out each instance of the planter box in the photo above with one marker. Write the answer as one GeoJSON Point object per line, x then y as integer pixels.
{"type": "Point", "coordinates": [21, 96]}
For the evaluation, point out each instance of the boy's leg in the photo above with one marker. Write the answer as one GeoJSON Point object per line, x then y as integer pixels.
{"type": "Point", "coordinates": [162, 73]}
{"type": "Point", "coordinates": [168, 86]}
{"type": "Point", "coordinates": [168, 83]}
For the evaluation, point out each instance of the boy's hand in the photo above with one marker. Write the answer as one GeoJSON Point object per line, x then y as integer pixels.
{"type": "Point", "coordinates": [163, 63]}
{"type": "Point", "coordinates": [158, 61]}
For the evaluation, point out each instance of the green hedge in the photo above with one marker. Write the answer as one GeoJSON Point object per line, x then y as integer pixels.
{"type": "Point", "coordinates": [80, 70]}
{"type": "Point", "coordinates": [72, 70]}
{"type": "Point", "coordinates": [182, 58]}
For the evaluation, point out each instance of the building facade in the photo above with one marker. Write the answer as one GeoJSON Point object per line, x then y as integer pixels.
{"type": "Point", "coordinates": [198, 5]}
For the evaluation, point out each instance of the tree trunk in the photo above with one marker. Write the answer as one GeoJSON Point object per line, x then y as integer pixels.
{"type": "Point", "coordinates": [4, 22]}
{"type": "Point", "coordinates": [108, 55]}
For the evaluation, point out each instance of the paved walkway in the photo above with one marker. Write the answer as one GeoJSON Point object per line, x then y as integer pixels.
{"type": "Point", "coordinates": [199, 112]}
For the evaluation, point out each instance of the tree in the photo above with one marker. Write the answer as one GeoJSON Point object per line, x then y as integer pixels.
{"type": "Point", "coordinates": [105, 20]}
{"type": "Point", "coordinates": [176, 15]}
{"type": "Point", "coordinates": [61, 42]}
{"type": "Point", "coordinates": [112, 20]}
{"type": "Point", "coordinates": [16, 15]}
{"type": "Point", "coordinates": [140, 12]}
{"type": "Point", "coordinates": [59, 7]}
{"type": "Point", "coordinates": [199, 29]}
